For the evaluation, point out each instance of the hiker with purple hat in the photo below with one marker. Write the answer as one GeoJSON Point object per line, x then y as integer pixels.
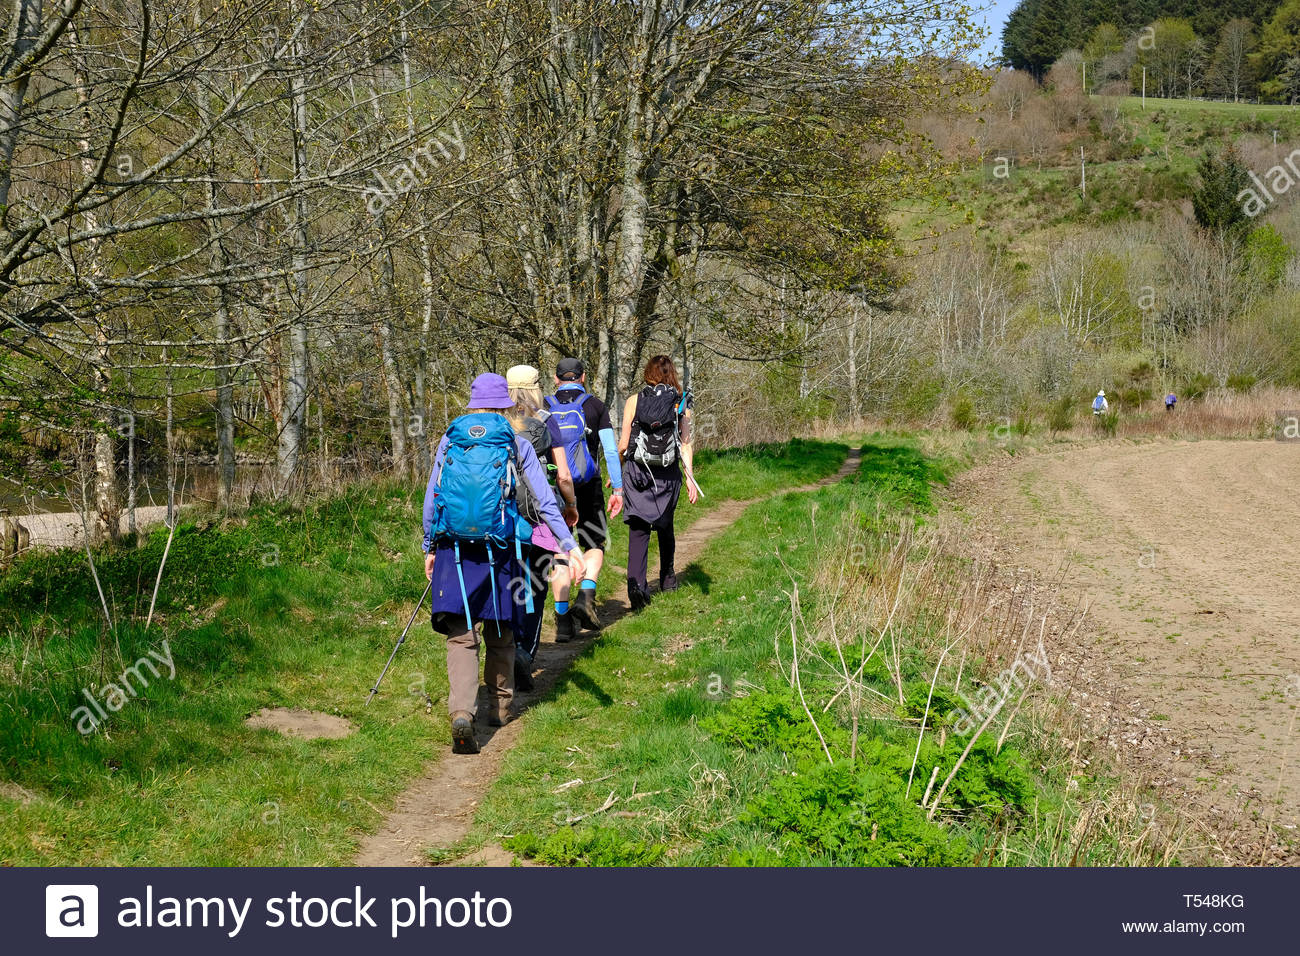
{"type": "Point", "coordinates": [474, 540]}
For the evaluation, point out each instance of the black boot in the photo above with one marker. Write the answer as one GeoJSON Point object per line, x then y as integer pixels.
{"type": "Point", "coordinates": [583, 609]}
{"type": "Point", "coordinates": [637, 596]}
{"type": "Point", "coordinates": [523, 670]}
{"type": "Point", "coordinates": [668, 582]}
{"type": "Point", "coordinates": [564, 628]}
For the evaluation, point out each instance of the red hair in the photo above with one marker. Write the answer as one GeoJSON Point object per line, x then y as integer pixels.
{"type": "Point", "coordinates": [660, 369]}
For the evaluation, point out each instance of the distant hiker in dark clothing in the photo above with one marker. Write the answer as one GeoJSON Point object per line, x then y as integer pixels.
{"type": "Point", "coordinates": [473, 543]}
{"type": "Point", "coordinates": [1170, 401]}
{"type": "Point", "coordinates": [580, 425]}
{"type": "Point", "coordinates": [655, 444]}
{"type": "Point", "coordinates": [545, 559]}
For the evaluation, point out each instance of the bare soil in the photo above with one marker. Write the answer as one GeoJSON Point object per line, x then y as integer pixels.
{"type": "Point", "coordinates": [308, 724]}
{"type": "Point", "coordinates": [1188, 554]}
{"type": "Point", "coordinates": [437, 810]}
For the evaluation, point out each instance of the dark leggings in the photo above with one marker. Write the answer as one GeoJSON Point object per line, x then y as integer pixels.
{"type": "Point", "coordinates": [638, 550]}
{"type": "Point", "coordinates": [539, 561]}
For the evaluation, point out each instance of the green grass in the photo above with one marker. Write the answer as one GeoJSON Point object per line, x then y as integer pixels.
{"type": "Point", "coordinates": [290, 607]}
{"type": "Point", "coordinates": [677, 734]}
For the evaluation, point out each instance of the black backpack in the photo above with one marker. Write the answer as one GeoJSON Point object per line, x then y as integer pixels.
{"type": "Point", "coordinates": [538, 435]}
{"type": "Point", "coordinates": [655, 435]}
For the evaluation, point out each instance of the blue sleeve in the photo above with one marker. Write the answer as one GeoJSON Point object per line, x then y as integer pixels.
{"type": "Point", "coordinates": [430, 493]}
{"type": "Point", "coordinates": [610, 445]}
{"type": "Point", "coordinates": [531, 466]}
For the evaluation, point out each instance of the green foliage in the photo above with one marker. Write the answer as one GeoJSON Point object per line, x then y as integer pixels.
{"type": "Point", "coordinates": [899, 475]}
{"type": "Point", "coordinates": [963, 413]}
{"type": "Point", "coordinates": [1267, 253]}
{"type": "Point", "coordinates": [1060, 417]}
{"type": "Point", "coordinates": [1241, 382]}
{"type": "Point", "coordinates": [1214, 202]}
{"type": "Point", "coordinates": [1107, 422]}
{"type": "Point", "coordinates": [846, 816]}
{"type": "Point", "coordinates": [1278, 41]}
{"type": "Point", "coordinates": [594, 846]}
{"type": "Point", "coordinates": [768, 719]}
{"type": "Point", "coordinates": [1196, 386]}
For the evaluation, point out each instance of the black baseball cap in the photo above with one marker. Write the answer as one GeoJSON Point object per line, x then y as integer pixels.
{"type": "Point", "coordinates": [569, 369]}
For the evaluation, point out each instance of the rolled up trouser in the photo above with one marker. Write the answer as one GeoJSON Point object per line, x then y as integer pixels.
{"type": "Point", "coordinates": [462, 666]}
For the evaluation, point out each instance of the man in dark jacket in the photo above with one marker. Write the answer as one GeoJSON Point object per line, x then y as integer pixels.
{"type": "Point", "coordinates": [591, 531]}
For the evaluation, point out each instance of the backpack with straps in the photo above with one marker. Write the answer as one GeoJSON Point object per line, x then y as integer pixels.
{"type": "Point", "coordinates": [539, 436]}
{"type": "Point", "coordinates": [655, 437]}
{"type": "Point", "coordinates": [476, 493]}
{"type": "Point", "coordinates": [572, 425]}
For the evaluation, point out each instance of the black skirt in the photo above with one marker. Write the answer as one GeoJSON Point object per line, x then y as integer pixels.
{"type": "Point", "coordinates": [650, 492]}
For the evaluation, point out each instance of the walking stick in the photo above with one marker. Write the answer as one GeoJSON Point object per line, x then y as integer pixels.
{"type": "Point", "coordinates": [400, 641]}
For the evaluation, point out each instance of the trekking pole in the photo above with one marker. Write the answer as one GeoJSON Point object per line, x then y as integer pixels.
{"type": "Point", "coordinates": [400, 641]}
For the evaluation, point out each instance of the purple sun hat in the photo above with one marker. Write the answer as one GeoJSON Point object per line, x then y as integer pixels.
{"type": "Point", "coordinates": [489, 390]}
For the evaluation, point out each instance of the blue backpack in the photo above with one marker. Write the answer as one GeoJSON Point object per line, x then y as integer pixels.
{"type": "Point", "coordinates": [572, 424]}
{"type": "Point", "coordinates": [476, 496]}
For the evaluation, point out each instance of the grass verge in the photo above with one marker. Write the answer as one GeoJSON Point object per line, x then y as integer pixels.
{"type": "Point", "coordinates": [293, 607]}
{"type": "Point", "coordinates": [798, 704]}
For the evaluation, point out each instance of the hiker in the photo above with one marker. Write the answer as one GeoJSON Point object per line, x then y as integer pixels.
{"type": "Point", "coordinates": [655, 444]}
{"type": "Point", "coordinates": [1099, 404]}
{"type": "Point", "coordinates": [546, 561]}
{"type": "Point", "coordinates": [1170, 401]}
{"type": "Point", "coordinates": [581, 426]}
{"type": "Point", "coordinates": [473, 544]}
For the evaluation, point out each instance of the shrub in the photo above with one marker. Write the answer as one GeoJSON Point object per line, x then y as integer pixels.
{"type": "Point", "coordinates": [963, 414]}
{"type": "Point", "coordinates": [1196, 386]}
{"type": "Point", "coordinates": [1267, 253]}
{"type": "Point", "coordinates": [1107, 422]}
{"type": "Point", "coordinates": [1241, 382]}
{"type": "Point", "coordinates": [1061, 416]}
{"type": "Point", "coordinates": [859, 817]}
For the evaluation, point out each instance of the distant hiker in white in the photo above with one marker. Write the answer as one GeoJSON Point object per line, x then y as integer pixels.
{"type": "Point", "coordinates": [1099, 404]}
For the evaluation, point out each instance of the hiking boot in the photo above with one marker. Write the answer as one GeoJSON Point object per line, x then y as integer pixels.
{"type": "Point", "coordinates": [637, 596]}
{"type": "Point", "coordinates": [498, 713]}
{"type": "Point", "coordinates": [462, 733]}
{"type": "Point", "coordinates": [564, 628]}
{"type": "Point", "coordinates": [523, 670]}
{"type": "Point", "coordinates": [668, 583]}
{"type": "Point", "coordinates": [583, 609]}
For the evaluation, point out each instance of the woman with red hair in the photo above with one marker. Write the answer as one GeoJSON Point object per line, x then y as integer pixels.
{"type": "Point", "coordinates": [655, 444]}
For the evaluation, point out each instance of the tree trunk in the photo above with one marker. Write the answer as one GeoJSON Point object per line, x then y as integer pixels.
{"type": "Point", "coordinates": [854, 407]}
{"type": "Point", "coordinates": [293, 426]}
{"type": "Point", "coordinates": [221, 356]}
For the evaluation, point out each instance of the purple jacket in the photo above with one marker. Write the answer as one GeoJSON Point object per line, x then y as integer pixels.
{"type": "Point", "coordinates": [533, 474]}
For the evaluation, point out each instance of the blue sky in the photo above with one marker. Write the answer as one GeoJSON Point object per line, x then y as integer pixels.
{"type": "Point", "coordinates": [994, 14]}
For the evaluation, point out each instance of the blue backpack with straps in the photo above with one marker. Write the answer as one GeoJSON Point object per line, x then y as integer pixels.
{"type": "Point", "coordinates": [572, 425]}
{"type": "Point", "coordinates": [476, 494]}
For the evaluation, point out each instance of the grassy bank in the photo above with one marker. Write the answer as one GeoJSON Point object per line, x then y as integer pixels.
{"type": "Point", "coordinates": [797, 706]}
{"type": "Point", "coordinates": [293, 607]}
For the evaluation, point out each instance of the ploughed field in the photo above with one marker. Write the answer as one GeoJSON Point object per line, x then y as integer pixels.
{"type": "Point", "coordinates": [1190, 555]}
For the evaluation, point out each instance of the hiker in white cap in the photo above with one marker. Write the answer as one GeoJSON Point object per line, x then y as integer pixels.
{"type": "Point", "coordinates": [1099, 404]}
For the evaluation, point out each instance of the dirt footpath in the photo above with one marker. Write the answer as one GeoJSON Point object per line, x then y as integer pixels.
{"type": "Point", "coordinates": [438, 809]}
{"type": "Point", "coordinates": [1190, 554]}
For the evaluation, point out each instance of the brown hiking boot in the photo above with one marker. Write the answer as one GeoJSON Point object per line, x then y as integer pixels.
{"type": "Point", "coordinates": [498, 713]}
{"type": "Point", "coordinates": [462, 733]}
